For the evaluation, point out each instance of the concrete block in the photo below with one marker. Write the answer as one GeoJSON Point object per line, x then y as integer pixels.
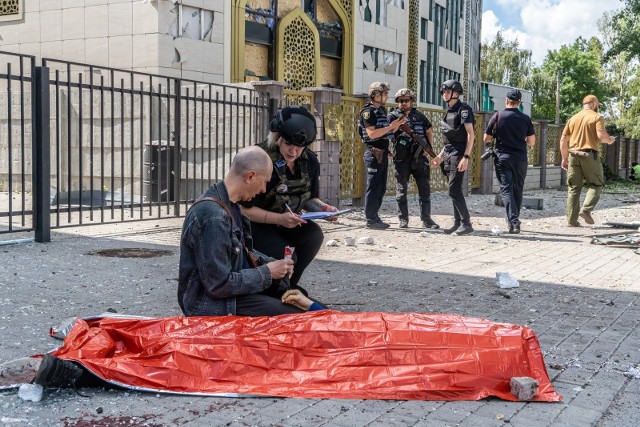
{"type": "Point", "coordinates": [97, 51]}
{"type": "Point", "coordinates": [31, 6]}
{"type": "Point", "coordinates": [51, 25]}
{"type": "Point", "coordinates": [120, 19]}
{"type": "Point", "coordinates": [30, 29]}
{"type": "Point", "coordinates": [527, 202]}
{"type": "Point", "coordinates": [145, 18]}
{"type": "Point", "coordinates": [74, 50]}
{"type": "Point", "coordinates": [120, 48]}
{"type": "Point", "coordinates": [73, 23]}
{"type": "Point", "coordinates": [524, 388]}
{"type": "Point", "coordinates": [51, 49]}
{"type": "Point", "coordinates": [96, 20]}
{"type": "Point", "coordinates": [71, 3]}
{"type": "Point", "coordinates": [145, 50]}
{"type": "Point", "coordinates": [50, 5]}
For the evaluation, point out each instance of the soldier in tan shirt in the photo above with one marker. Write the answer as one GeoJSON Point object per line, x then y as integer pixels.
{"type": "Point", "coordinates": [579, 147]}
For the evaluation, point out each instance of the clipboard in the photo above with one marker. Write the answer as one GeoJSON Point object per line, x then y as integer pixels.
{"type": "Point", "coordinates": [323, 215]}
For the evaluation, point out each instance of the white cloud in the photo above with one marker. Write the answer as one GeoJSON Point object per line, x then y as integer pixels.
{"type": "Point", "coordinates": [547, 24]}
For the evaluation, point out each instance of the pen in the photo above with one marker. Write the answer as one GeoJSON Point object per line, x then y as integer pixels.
{"type": "Point", "coordinates": [286, 205]}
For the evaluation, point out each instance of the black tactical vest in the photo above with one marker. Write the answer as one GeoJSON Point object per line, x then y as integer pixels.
{"type": "Point", "coordinates": [293, 192]}
{"type": "Point", "coordinates": [452, 129]}
{"type": "Point", "coordinates": [381, 121]}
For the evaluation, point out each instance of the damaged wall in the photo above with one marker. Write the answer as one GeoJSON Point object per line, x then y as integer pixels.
{"type": "Point", "coordinates": [180, 38]}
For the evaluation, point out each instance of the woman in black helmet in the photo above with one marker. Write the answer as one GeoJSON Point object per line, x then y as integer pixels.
{"type": "Point", "coordinates": [294, 186]}
{"type": "Point", "coordinates": [457, 127]}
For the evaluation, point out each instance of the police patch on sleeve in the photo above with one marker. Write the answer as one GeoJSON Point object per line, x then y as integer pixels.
{"type": "Point", "coordinates": [366, 115]}
{"type": "Point", "coordinates": [464, 114]}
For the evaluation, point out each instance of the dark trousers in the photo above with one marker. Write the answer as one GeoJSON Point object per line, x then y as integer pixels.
{"type": "Point", "coordinates": [263, 305]}
{"type": "Point", "coordinates": [511, 175]}
{"type": "Point", "coordinates": [376, 185]}
{"type": "Point", "coordinates": [271, 239]}
{"type": "Point", "coordinates": [420, 171]}
{"type": "Point", "coordinates": [460, 211]}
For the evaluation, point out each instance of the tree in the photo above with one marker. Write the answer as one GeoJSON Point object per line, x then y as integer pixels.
{"type": "Point", "coordinates": [501, 62]}
{"type": "Point", "coordinates": [627, 27]}
{"type": "Point", "coordinates": [581, 73]}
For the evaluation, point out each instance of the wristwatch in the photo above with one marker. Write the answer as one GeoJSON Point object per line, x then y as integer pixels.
{"type": "Point", "coordinates": [466, 156]}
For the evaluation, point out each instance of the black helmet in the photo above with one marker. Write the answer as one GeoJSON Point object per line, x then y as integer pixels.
{"type": "Point", "coordinates": [296, 125]}
{"type": "Point", "coordinates": [453, 85]}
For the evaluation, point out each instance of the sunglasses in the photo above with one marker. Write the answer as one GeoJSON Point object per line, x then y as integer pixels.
{"type": "Point", "coordinates": [404, 100]}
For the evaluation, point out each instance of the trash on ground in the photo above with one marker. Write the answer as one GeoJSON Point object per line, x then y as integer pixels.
{"type": "Point", "coordinates": [31, 392]}
{"type": "Point", "coordinates": [332, 243]}
{"type": "Point", "coordinates": [365, 240]}
{"type": "Point", "coordinates": [505, 281]}
{"type": "Point", "coordinates": [633, 373]}
{"type": "Point", "coordinates": [622, 239]}
{"type": "Point", "coordinates": [349, 241]}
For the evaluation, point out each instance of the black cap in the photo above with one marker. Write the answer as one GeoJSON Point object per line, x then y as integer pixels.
{"type": "Point", "coordinates": [514, 95]}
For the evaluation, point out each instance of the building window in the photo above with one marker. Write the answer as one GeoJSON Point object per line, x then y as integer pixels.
{"type": "Point", "coordinates": [382, 61]}
{"type": "Point", "coordinates": [11, 10]}
{"type": "Point", "coordinates": [423, 28]}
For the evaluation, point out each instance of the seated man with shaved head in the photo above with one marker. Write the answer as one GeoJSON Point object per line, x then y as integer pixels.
{"type": "Point", "coordinates": [220, 272]}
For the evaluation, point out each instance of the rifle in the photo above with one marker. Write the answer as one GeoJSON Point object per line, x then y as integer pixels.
{"type": "Point", "coordinates": [421, 140]}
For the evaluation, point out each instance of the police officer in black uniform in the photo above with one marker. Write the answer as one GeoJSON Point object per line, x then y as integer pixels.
{"type": "Point", "coordinates": [375, 132]}
{"type": "Point", "coordinates": [513, 132]}
{"type": "Point", "coordinates": [410, 157]}
{"type": "Point", "coordinates": [457, 127]}
{"type": "Point", "coordinates": [294, 186]}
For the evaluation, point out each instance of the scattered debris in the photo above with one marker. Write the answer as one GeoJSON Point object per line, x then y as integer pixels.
{"type": "Point", "coordinates": [558, 366]}
{"type": "Point", "coordinates": [625, 240]}
{"type": "Point", "coordinates": [392, 246]}
{"type": "Point", "coordinates": [365, 240]}
{"type": "Point", "coordinates": [425, 234]}
{"type": "Point", "coordinates": [31, 392]}
{"type": "Point", "coordinates": [350, 241]}
{"type": "Point", "coordinates": [633, 373]}
{"type": "Point", "coordinates": [499, 416]}
{"type": "Point", "coordinates": [505, 281]}
{"type": "Point", "coordinates": [524, 388]}
{"type": "Point", "coordinates": [372, 283]}
{"type": "Point", "coordinates": [332, 243]}
{"type": "Point", "coordinates": [496, 231]}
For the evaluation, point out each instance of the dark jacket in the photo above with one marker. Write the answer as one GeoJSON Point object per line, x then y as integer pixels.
{"type": "Point", "coordinates": [213, 261]}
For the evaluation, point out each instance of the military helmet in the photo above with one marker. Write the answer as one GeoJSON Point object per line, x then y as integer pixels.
{"type": "Point", "coordinates": [453, 85]}
{"type": "Point", "coordinates": [296, 125]}
{"type": "Point", "coordinates": [406, 92]}
{"type": "Point", "coordinates": [378, 87]}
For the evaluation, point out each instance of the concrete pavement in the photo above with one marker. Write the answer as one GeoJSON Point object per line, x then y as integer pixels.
{"type": "Point", "coordinates": [580, 299]}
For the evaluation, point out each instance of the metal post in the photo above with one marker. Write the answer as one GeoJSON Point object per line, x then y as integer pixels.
{"type": "Point", "coordinates": [542, 140]}
{"type": "Point", "coordinates": [41, 156]}
{"type": "Point", "coordinates": [177, 111]}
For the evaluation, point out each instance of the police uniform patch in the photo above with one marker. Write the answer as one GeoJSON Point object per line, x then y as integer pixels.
{"type": "Point", "coordinates": [464, 113]}
{"type": "Point", "coordinates": [366, 115]}
{"type": "Point", "coordinates": [282, 188]}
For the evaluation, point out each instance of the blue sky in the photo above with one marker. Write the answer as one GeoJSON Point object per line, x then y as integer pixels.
{"type": "Point", "coordinates": [542, 25]}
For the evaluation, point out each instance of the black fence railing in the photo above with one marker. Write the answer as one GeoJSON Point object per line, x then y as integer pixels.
{"type": "Point", "coordinates": [16, 132]}
{"type": "Point", "coordinates": [123, 145]}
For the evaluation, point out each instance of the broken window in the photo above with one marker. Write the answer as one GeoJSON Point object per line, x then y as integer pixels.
{"type": "Point", "coordinates": [192, 23]}
{"type": "Point", "coordinates": [382, 61]}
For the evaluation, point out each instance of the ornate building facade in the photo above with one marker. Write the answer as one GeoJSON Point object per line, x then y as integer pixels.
{"type": "Point", "coordinates": [305, 43]}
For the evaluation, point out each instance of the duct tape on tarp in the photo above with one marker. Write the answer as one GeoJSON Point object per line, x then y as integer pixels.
{"type": "Point", "coordinates": [321, 354]}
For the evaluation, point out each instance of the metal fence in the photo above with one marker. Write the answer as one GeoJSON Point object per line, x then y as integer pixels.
{"type": "Point", "coordinates": [123, 145]}
{"type": "Point", "coordinates": [16, 130]}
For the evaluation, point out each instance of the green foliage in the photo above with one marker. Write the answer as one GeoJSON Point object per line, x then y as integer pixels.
{"type": "Point", "coordinates": [501, 62]}
{"type": "Point", "coordinates": [581, 73]}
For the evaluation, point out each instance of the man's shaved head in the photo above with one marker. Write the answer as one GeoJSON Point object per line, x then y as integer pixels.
{"type": "Point", "coordinates": [251, 158]}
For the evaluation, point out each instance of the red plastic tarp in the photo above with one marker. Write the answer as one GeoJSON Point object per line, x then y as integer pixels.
{"type": "Point", "coordinates": [321, 354]}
